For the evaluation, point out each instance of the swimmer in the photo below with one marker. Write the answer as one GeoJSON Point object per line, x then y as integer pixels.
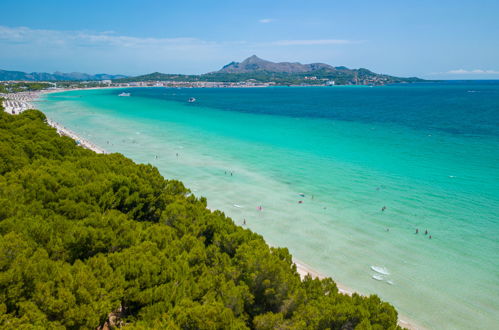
{"type": "Point", "coordinates": [426, 232]}
{"type": "Point", "coordinates": [417, 231]}
{"type": "Point", "coordinates": [429, 237]}
{"type": "Point", "coordinates": [383, 208]}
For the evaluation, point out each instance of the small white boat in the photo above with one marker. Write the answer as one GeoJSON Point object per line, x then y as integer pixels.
{"type": "Point", "coordinates": [191, 100]}
{"type": "Point", "coordinates": [124, 94]}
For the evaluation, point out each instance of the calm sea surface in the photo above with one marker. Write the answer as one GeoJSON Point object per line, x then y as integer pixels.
{"type": "Point", "coordinates": [322, 163]}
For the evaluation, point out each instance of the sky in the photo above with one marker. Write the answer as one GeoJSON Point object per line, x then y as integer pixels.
{"type": "Point", "coordinates": [436, 39]}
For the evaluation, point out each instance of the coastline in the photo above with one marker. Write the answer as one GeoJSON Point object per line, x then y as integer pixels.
{"type": "Point", "coordinates": [302, 268]}
{"type": "Point", "coordinates": [79, 140]}
{"type": "Point", "coordinates": [20, 102]}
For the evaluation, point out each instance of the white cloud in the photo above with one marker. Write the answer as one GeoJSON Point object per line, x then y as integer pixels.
{"type": "Point", "coordinates": [20, 35]}
{"type": "Point", "coordinates": [266, 20]}
{"type": "Point", "coordinates": [26, 49]}
{"type": "Point", "coordinates": [312, 42]}
{"type": "Point", "coordinates": [476, 71]}
{"type": "Point", "coordinates": [50, 50]}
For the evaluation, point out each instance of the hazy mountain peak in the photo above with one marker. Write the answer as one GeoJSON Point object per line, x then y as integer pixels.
{"type": "Point", "coordinates": [56, 76]}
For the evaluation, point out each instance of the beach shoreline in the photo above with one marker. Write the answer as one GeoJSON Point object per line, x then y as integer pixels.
{"type": "Point", "coordinates": [16, 103]}
{"type": "Point", "coordinates": [302, 268]}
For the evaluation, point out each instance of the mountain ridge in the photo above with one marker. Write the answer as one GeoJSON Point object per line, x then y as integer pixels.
{"type": "Point", "coordinates": [255, 63]}
{"type": "Point", "coordinates": [6, 75]}
{"type": "Point", "coordinates": [257, 70]}
{"type": "Point", "coordinates": [252, 69]}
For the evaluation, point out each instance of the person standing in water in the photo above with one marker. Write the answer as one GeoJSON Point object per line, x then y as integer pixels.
{"type": "Point", "coordinates": [417, 231]}
{"type": "Point", "coordinates": [383, 208]}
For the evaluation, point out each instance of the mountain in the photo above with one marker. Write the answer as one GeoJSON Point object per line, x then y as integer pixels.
{"type": "Point", "coordinates": [255, 69]}
{"type": "Point", "coordinates": [254, 63]}
{"type": "Point", "coordinates": [315, 73]}
{"type": "Point", "coordinates": [56, 76]}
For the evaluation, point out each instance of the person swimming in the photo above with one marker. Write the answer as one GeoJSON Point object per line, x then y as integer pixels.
{"type": "Point", "coordinates": [417, 231]}
{"type": "Point", "coordinates": [429, 237]}
{"type": "Point", "coordinates": [383, 208]}
{"type": "Point", "coordinates": [426, 232]}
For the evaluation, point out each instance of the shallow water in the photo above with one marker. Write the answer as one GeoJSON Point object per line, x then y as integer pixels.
{"type": "Point", "coordinates": [428, 153]}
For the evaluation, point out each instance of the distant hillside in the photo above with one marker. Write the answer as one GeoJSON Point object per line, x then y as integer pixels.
{"type": "Point", "coordinates": [254, 63]}
{"type": "Point", "coordinates": [56, 76]}
{"type": "Point", "coordinates": [282, 73]}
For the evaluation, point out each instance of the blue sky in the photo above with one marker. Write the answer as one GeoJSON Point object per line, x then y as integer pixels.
{"type": "Point", "coordinates": [430, 39]}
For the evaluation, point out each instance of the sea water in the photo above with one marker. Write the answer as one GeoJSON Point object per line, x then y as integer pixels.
{"type": "Point", "coordinates": [342, 176]}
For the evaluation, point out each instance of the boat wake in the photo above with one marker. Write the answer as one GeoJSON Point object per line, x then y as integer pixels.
{"type": "Point", "coordinates": [380, 270]}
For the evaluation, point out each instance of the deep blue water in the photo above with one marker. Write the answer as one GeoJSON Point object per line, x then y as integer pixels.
{"type": "Point", "coordinates": [457, 107]}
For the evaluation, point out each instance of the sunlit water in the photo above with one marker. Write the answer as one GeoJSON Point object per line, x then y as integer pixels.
{"type": "Point", "coordinates": [322, 163]}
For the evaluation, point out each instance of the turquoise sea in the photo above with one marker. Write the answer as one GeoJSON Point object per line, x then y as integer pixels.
{"type": "Point", "coordinates": [322, 162]}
